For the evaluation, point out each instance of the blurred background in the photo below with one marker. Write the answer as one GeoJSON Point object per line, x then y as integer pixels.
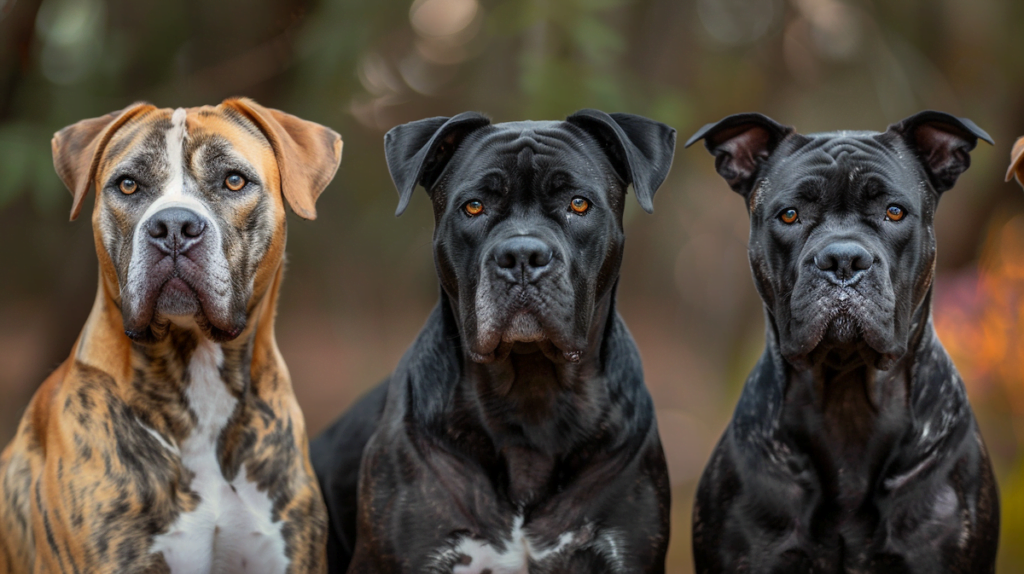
{"type": "Point", "coordinates": [360, 282]}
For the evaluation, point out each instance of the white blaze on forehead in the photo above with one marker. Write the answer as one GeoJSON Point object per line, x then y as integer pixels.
{"type": "Point", "coordinates": [175, 157]}
{"type": "Point", "coordinates": [173, 190]}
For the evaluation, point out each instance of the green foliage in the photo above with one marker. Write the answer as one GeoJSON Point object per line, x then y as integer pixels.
{"type": "Point", "coordinates": [26, 165]}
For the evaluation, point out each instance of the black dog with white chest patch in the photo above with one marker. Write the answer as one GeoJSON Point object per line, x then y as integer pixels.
{"type": "Point", "coordinates": [516, 435]}
{"type": "Point", "coordinates": [853, 447]}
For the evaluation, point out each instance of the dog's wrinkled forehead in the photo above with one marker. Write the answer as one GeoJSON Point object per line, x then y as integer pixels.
{"type": "Point", "coordinates": [838, 166]}
{"type": "Point", "coordinates": [164, 147]}
{"type": "Point", "coordinates": [527, 150]}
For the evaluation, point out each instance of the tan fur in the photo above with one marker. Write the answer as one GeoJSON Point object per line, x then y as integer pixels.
{"type": "Point", "coordinates": [1017, 162]}
{"type": "Point", "coordinates": [83, 486]}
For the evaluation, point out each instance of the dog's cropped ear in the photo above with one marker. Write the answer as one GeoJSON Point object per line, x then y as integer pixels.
{"type": "Point", "coordinates": [308, 154]}
{"type": "Point", "coordinates": [641, 150]}
{"type": "Point", "coordinates": [1017, 162]}
{"type": "Point", "coordinates": [417, 152]}
{"type": "Point", "coordinates": [77, 150]}
{"type": "Point", "coordinates": [740, 144]}
{"type": "Point", "coordinates": [942, 143]}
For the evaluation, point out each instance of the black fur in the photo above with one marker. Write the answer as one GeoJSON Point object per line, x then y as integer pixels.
{"type": "Point", "coordinates": [853, 447]}
{"type": "Point", "coordinates": [523, 396]}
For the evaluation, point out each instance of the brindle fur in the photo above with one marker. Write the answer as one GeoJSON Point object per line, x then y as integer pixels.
{"type": "Point", "coordinates": [84, 486]}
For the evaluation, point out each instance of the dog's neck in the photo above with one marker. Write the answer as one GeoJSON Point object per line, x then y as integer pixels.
{"type": "Point", "coordinates": [155, 376]}
{"type": "Point", "coordinates": [532, 412]}
{"type": "Point", "coordinates": [847, 416]}
{"type": "Point", "coordinates": [523, 393]}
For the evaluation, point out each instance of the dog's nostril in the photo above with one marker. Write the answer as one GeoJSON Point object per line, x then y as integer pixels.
{"type": "Point", "coordinates": [506, 259]}
{"type": "Point", "coordinates": [158, 229]}
{"type": "Point", "coordinates": [861, 262]}
{"type": "Point", "coordinates": [540, 258]}
{"type": "Point", "coordinates": [193, 228]}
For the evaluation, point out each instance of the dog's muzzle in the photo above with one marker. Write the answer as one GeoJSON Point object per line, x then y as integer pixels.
{"type": "Point", "coordinates": [524, 296]}
{"type": "Point", "coordinates": [178, 271]}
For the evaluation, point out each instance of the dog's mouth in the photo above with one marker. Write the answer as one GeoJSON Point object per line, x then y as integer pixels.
{"type": "Point", "coordinates": [840, 327]}
{"type": "Point", "coordinates": [178, 294]}
{"type": "Point", "coordinates": [523, 334]}
{"type": "Point", "coordinates": [177, 298]}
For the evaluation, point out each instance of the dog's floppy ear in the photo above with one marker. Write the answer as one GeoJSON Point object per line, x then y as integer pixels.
{"type": "Point", "coordinates": [417, 152]}
{"type": "Point", "coordinates": [740, 144]}
{"type": "Point", "coordinates": [1017, 162]}
{"type": "Point", "coordinates": [942, 143]}
{"type": "Point", "coordinates": [78, 147]}
{"type": "Point", "coordinates": [640, 149]}
{"type": "Point", "coordinates": [308, 154]}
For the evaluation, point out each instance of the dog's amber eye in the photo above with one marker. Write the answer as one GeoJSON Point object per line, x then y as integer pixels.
{"type": "Point", "coordinates": [579, 205]}
{"type": "Point", "coordinates": [788, 216]}
{"type": "Point", "coordinates": [894, 213]}
{"type": "Point", "coordinates": [128, 186]}
{"type": "Point", "coordinates": [234, 182]}
{"type": "Point", "coordinates": [473, 207]}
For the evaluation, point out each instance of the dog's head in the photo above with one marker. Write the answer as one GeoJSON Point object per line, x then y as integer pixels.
{"type": "Point", "coordinates": [841, 241]}
{"type": "Point", "coordinates": [528, 218]}
{"type": "Point", "coordinates": [189, 220]}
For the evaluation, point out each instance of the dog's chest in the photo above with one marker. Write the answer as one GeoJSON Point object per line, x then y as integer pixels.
{"type": "Point", "coordinates": [524, 551]}
{"type": "Point", "coordinates": [231, 530]}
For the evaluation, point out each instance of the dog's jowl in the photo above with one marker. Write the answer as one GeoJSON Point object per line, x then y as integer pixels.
{"type": "Point", "coordinates": [170, 440]}
{"type": "Point", "coordinates": [516, 435]}
{"type": "Point", "coordinates": [853, 447]}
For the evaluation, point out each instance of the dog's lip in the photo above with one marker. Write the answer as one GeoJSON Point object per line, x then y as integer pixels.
{"type": "Point", "coordinates": [177, 281]}
{"type": "Point", "coordinates": [547, 346]}
{"type": "Point", "coordinates": [885, 357]}
{"type": "Point", "coordinates": [178, 284]}
{"type": "Point", "coordinates": [524, 330]}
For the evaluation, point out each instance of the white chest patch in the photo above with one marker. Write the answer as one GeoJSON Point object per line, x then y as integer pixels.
{"type": "Point", "coordinates": [230, 531]}
{"type": "Point", "coordinates": [515, 557]}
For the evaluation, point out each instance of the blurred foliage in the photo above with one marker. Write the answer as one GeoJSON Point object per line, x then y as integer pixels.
{"type": "Point", "coordinates": [360, 282]}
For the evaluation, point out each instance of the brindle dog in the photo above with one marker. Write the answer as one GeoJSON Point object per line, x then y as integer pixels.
{"type": "Point", "coordinates": [170, 440]}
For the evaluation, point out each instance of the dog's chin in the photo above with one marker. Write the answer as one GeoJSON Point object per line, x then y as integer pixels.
{"type": "Point", "coordinates": [523, 334]}
{"type": "Point", "coordinates": [177, 303]}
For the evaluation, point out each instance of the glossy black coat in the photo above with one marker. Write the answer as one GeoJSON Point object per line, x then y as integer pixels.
{"type": "Point", "coordinates": [519, 415]}
{"type": "Point", "coordinates": [853, 447]}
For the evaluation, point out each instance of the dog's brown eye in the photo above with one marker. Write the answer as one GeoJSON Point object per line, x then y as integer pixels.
{"type": "Point", "coordinates": [474, 207]}
{"type": "Point", "coordinates": [788, 216]}
{"type": "Point", "coordinates": [579, 205]}
{"type": "Point", "coordinates": [234, 182]}
{"type": "Point", "coordinates": [894, 213]}
{"type": "Point", "coordinates": [128, 186]}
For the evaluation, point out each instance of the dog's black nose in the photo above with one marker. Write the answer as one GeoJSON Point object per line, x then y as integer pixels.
{"type": "Point", "coordinates": [843, 261]}
{"type": "Point", "coordinates": [522, 257]}
{"type": "Point", "coordinates": [175, 229]}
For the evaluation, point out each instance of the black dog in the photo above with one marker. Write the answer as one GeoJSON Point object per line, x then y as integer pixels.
{"type": "Point", "coordinates": [516, 434]}
{"type": "Point", "coordinates": [853, 447]}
